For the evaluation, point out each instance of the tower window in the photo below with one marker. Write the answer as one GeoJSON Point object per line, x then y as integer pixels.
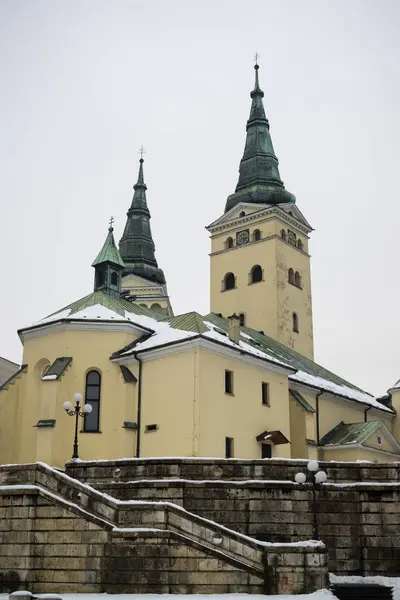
{"type": "Point", "coordinates": [242, 319]}
{"type": "Point", "coordinates": [242, 214]}
{"type": "Point", "coordinates": [300, 244]}
{"type": "Point", "coordinates": [114, 278]}
{"type": "Point", "coordinates": [229, 382]}
{"type": "Point", "coordinates": [228, 447]}
{"type": "Point", "coordinates": [256, 235]}
{"type": "Point", "coordinates": [297, 279]}
{"type": "Point", "coordinates": [229, 281]}
{"type": "Point", "coordinates": [256, 274]}
{"type": "Point", "coordinates": [295, 322]}
{"type": "Point", "coordinates": [229, 243]}
{"type": "Point", "coordinates": [265, 394]}
{"type": "Point", "coordinates": [291, 276]}
{"type": "Point", "coordinates": [92, 396]}
{"type": "Point", "coordinates": [283, 234]}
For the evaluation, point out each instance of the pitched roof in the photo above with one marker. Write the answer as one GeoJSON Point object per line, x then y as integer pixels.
{"type": "Point", "coordinates": [350, 433]}
{"type": "Point", "coordinates": [302, 401]}
{"type": "Point", "coordinates": [57, 369]}
{"type": "Point", "coordinates": [160, 331]}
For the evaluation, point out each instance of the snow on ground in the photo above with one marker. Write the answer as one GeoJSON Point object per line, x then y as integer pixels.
{"type": "Point", "coordinates": [320, 595]}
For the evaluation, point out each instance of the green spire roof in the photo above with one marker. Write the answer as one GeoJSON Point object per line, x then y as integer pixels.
{"type": "Point", "coordinates": [136, 245]}
{"type": "Point", "coordinates": [109, 251]}
{"type": "Point", "coordinates": [259, 179]}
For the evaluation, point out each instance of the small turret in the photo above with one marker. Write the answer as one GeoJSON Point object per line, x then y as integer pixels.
{"type": "Point", "coordinates": [108, 267]}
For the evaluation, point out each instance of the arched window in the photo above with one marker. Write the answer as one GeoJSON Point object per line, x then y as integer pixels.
{"type": "Point", "coordinates": [295, 322]}
{"type": "Point", "coordinates": [92, 396]}
{"type": "Point", "coordinates": [145, 305]}
{"type": "Point", "coordinates": [114, 278]}
{"type": "Point", "coordinates": [229, 281]}
{"type": "Point", "coordinates": [156, 307]}
{"type": "Point", "coordinates": [256, 274]}
{"type": "Point", "coordinates": [283, 234]}
{"type": "Point", "coordinates": [242, 214]}
{"type": "Point", "coordinates": [291, 276]}
{"type": "Point", "coordinates": [300, 244]}
{"type": "Point", "coordinates": [256, 235]}
{"type": "Point", "coordinates": [229, 243]}
{"type": "Point", "coordinates": [242, 319]}
{"type": "Point", "coordinates": [297, 279]}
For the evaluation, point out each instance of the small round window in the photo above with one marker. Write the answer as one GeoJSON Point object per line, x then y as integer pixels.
{"type": "Point", "coordinates": [379, 440]}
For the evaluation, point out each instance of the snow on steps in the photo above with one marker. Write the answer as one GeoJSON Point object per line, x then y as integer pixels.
{"type": "Point", "coordinates": [133, 517]}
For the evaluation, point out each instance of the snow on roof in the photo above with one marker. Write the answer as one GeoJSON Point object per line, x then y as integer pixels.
{"type": "Point", "coordinates": [340, 390]}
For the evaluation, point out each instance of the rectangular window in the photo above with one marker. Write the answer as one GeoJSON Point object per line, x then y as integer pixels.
{"type": "Point", "coordinates": [265, 394]}
{"type": "Point", "coordinates": [266, 451]}
{"type": "Point", "coordinates": [152, 427]}
{"type": "Point", "coordinates": [228, 382]}
{"type": "Point", "coordinates": [228, 447]}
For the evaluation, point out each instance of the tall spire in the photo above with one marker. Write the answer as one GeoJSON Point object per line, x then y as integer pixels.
{"type": "Point", "coordinates": [136, 245]}
{"type": "Point", "coordinates": [108, 266]}
{"type": "Point", "coordinates": [259, 179]}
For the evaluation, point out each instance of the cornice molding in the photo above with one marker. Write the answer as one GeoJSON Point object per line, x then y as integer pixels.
{"type": "Point", "coordinates": [205, 344]}
{"type": "Point", "coordinates": [80, 325]}
{"type": "Point", "coordinates": [263, 215]}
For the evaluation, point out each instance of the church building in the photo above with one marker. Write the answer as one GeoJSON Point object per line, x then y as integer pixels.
{"type": "Point", "coordinates": [239, 382]}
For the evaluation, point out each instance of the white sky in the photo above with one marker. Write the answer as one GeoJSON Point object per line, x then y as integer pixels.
{"type": "Point", "coordinates": [85, 82]}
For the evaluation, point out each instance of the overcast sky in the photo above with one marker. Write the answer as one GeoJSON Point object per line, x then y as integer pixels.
{"type": "Point", "coordinates": [85, 82]}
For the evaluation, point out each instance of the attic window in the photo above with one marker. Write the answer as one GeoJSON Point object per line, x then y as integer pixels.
{"type": "Point", "coordinates": [242, 214]}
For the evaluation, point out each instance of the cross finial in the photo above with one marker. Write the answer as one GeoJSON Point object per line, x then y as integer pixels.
{"type": "Point", "coordinates": [111, 228]}
{"type": "Point", "coordinates": [256, 57]}
{"type": "Point", "coordinates": [141, 152]}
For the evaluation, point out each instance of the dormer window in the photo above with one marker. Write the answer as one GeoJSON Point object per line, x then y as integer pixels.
{"type": "Point", "coordinates": [114, 279]}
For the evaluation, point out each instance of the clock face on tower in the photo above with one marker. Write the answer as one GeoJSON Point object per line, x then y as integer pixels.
{"type": "Point", "coordinates": [242, 237]}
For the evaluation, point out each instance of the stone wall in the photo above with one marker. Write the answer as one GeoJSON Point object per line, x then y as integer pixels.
{"type": "Point", "coordinates": [358, 522]}
{"type": "Point", "coordinates": [59, 535]}
{"type": "Point", "coordinates": [226, 469]}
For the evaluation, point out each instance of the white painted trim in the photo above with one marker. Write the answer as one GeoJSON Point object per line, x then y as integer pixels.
{"type": "Point", "coordinates": [81, 325]}
{"type": "Point", "coordinates": [210, 345]}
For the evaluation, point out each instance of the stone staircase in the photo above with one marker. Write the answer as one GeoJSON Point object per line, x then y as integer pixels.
{"type": "Point", "coordinates": [209, 558]}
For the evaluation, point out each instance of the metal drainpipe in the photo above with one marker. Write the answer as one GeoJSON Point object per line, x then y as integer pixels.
{"type": "Point", "coordinates": [317, 411]}
{"type": "Point", "coordinates": [139, 407]}
{"type": "Point", "coordinates": [365, 413]}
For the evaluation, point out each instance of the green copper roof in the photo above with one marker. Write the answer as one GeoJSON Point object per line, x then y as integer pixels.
{"type": "Point", "coordinates": [259, 179]}
{"type": "Point", "coordinates": [281, 352]}
{"type": "Point", "coordinates": [136, 245]}
{"type": "Point", "coordinates": [350, 433]}
{"type": "Point", "coordinates": [109, 252]}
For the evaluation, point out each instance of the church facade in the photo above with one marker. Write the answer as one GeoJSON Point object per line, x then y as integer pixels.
{"type": "Point", "coordinates": [239, 382]}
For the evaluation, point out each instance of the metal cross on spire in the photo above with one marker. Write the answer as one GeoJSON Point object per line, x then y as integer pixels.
{"type": "Point", "coordinates": [141, 152]}
{"type": "Point", "coordinates": [110, 228]}
{"type": "Point", "coordinates": [256, 57]}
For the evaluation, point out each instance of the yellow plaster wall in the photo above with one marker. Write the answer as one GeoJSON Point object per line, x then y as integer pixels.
{"type": "Point", "coordinates": [298, 430]}
{"type": "Point", "coordinates": [259, 300]}
{"type": "Point", "coordinates": [241, 415]}
{"type": "Point", "coordinates": [44, 399]}
{"type": "Point", "coordinates": [396, 420]}
{"type": "Point", "coordinates": [269, 304]}
{"type": "Point", "coordinates": [10, 421]}
{"type": "Point", "coordinates": [168, 393]}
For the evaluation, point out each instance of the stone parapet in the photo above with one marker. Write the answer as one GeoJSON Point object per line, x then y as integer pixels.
{"type": "Point", "coordinates": [102, 471]}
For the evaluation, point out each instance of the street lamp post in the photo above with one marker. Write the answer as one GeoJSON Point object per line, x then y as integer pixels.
{"type": "Point", "coordinates": [316, 477]}
{"type": "Point", "coordinates": [76, 412]}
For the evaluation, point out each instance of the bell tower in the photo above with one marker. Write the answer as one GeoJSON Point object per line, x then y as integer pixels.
{"type": "Point", "coordinates": [260, 265]}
